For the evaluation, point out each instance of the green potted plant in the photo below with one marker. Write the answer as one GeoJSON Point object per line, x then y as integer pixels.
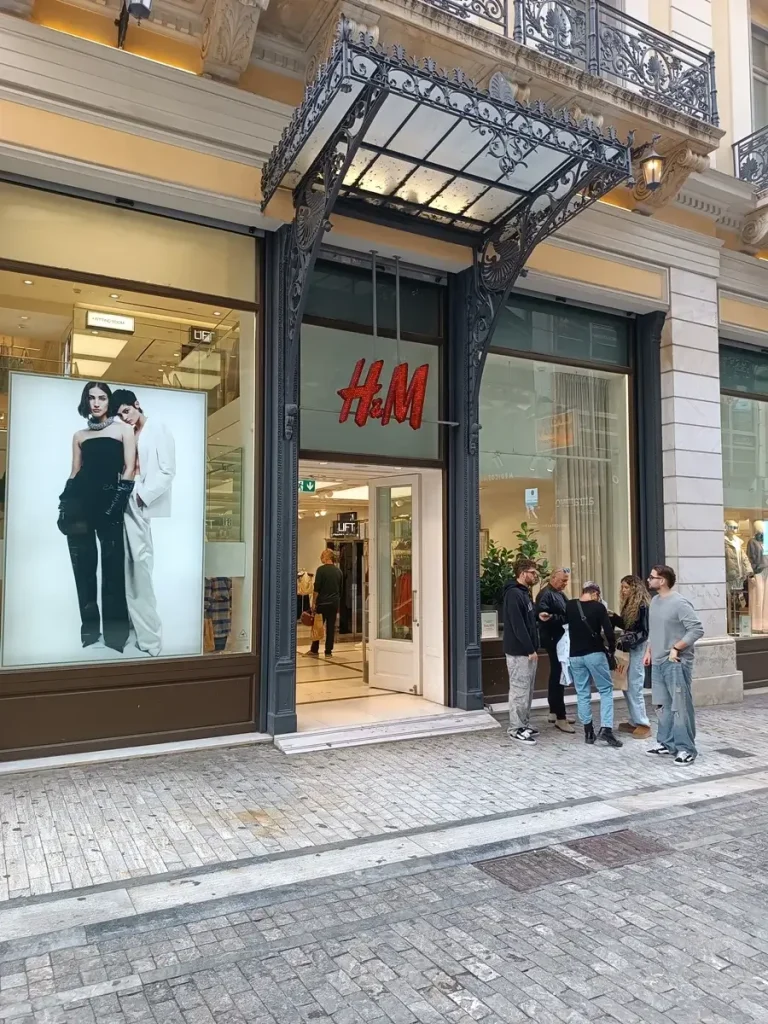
{"type": "Point", "coordinates": [496, 570]}
{"type": "Point", "coordinates": [528, 547]}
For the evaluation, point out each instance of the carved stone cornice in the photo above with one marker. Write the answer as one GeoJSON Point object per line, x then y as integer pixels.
{"type": "Point", "coordinates": [679, 163]}
{"type": "Point", "coordinates": [19, 8]}
{"type": "Point", "coordinates": [229, 32]}
{"type": "Point", "coordinates": [754, 231]}
{"type": "Point", "coordinates": [361, 20]}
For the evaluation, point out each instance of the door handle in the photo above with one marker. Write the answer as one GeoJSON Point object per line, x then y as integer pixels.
{"type": "Point", "coordinates": [415, 615]}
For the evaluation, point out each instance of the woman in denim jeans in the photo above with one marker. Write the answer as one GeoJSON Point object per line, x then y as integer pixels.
{"type": "Point", "coordinates": [633, 619]}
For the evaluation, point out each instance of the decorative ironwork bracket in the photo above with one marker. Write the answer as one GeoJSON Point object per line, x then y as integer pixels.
{"type": "Point", "coordinates": [499, 261]}
{"type": "Point", "coordinates": [314, 200]}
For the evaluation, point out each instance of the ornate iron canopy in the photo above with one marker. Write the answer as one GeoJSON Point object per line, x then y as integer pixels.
{"type": "Point", "coordinates": [430, 151]}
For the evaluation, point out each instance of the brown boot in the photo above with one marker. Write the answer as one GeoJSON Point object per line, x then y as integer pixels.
{"type": "Point", "coordinates": [627, 727]}
{"type": "Point", "coordinates": [641, 732]}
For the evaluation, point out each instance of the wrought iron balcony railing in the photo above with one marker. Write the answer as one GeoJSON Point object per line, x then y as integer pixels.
{"type": "Point", "coordinates": [605, 42]}
{"type": "Point", "coordinates": [750, 159]}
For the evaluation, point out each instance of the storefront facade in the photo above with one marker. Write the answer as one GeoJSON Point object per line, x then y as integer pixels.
{"type": "Point", "coordinates": [126, 618]}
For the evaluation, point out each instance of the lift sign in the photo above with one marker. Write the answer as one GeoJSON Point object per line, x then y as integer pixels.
{"type": "Point", "coordinates": [404, 401]}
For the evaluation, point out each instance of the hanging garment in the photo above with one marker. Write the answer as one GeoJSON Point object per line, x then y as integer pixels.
{"type": "Point", "coordinates": [218, 608]}
{"type": "Point", "coordinates": [403, 610]}
{"type": "Point", "coordinates": [564, 657]}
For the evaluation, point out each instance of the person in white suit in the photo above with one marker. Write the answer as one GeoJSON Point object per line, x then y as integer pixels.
{"type": "Point", "coordinates": [151, 499]}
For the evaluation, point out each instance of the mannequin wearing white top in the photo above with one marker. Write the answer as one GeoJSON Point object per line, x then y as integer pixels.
{"type": "Point", "coordinates": [737, 569]}
{"type": "Point", "coordinates": [758, 584]}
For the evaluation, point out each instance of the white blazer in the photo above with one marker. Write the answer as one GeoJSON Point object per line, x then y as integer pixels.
{"type": "Point", "coordinates": [157, 468]}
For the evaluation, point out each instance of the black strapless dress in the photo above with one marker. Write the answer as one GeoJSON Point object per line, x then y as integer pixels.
{"type": "Point", "coordinates": [94, 488]}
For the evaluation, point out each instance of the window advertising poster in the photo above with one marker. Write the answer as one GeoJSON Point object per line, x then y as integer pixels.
{"type": "Point", "coordinates": [105, 521]}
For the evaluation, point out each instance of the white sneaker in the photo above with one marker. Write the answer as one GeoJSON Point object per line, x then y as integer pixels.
{"type": "Point", "coordinates": [684, 757]}
{"type": "Point", "coordinates": [659, 751]}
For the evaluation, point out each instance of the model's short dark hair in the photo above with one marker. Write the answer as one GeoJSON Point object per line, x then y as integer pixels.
{"type": "Point", "coordinates": [84, 407]}
{"type": "Point", "coordinates": [524, 565]}
{"type": "Point", "coordinates": [122, 396]}
{"type": "Point", "coordinates": [667, 573]}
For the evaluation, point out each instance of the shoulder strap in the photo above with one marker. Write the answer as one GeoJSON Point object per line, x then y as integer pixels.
{"type": "Point", "coordinates": [597, 636]}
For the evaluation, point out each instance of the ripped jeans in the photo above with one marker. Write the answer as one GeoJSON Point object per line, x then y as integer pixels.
{"type": "Point", "coordinates": [671, 696]}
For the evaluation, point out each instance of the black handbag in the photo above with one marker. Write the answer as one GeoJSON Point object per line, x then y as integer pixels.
{"type": "Point", "coordinates": [610, 658]}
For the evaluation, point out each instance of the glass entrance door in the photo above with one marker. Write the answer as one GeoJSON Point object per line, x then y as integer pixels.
{"type": "Point", "coordinates": [394, 584]}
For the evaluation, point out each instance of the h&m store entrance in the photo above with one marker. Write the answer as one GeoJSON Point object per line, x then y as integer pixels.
{"type": "Point", "coordinates": [371, 486]}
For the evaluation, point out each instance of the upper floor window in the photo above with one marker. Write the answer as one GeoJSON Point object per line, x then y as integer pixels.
{"type": "Point", "coordinates": [759, 77]}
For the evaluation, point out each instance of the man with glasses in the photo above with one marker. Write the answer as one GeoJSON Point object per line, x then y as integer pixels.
{"type": "Point", "coordinates": [521, 645]}
{"type": "Point", "coordinates": [674, 628]}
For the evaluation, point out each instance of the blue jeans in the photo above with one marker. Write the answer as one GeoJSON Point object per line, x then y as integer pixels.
{"type": "Point", "coordinates": [593, 667]}
{"type": "Point", "coordinates": [671, 695]}
{"type": "Point", "coordinates": [635, 686]}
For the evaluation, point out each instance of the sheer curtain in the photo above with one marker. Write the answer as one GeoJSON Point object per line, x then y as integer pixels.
{"type": "Point", "coordinates": [583, 489]}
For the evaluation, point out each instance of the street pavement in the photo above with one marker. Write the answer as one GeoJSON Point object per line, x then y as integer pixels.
{"type": "Point", "coordinates": [443, 880]}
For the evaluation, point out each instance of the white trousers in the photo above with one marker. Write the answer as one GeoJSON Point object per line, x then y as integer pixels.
{"type": "Point", "coordinates": [758, 602]}
{"type": "Point", "coordinates": [139, 592]}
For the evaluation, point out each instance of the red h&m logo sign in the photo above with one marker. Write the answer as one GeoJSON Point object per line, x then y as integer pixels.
{"type": "Point", "coordinates": [404, 401]}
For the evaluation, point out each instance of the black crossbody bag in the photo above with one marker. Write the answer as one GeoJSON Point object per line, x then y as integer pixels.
{"type": "Point", "coordinates": [609, 657]}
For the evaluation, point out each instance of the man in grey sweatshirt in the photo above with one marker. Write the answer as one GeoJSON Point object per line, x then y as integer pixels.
{"type": "Point", "coordinates": [674, 628]}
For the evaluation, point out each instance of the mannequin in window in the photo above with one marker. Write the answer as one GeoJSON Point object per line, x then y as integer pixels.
{"type": "Point", "coordinates": [758, 584]}
{"type": "Point", "coordinates": [737, 568]}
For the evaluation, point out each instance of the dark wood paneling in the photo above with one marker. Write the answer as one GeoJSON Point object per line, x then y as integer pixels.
{"type": "Point", "coordinates": [33, 725]}
{"type": "Point", "coordinates": [752, 660]}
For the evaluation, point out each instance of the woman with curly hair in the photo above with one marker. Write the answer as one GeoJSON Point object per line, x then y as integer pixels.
{"type": "Point", "coordinates": [633, 620]}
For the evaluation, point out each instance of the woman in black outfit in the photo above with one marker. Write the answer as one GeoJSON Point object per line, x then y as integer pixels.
{"type": "Point", "coordinates": [92, 505]}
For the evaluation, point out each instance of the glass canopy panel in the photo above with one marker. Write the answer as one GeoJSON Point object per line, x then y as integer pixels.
{"type": "Point", "coordinates": [388, 121]}
{"type": "Point", "coordinates": [457, 196]}
{"type": "Point", "coordinates": [422, 132]}
{"type": "Point", "coordinates": [493, 204]}
{"type": "Point", "coordinates": [464, 143]}
{"type": "Point", "coordinates": [385, 175]}
{"type": "Point", "coordinates": [538, 166]}
{"type": "Point", "coordinates": [422, 185]}
{"type": "Point", "coordinates": [325, 127]}
{"type": "Point", "coordinates": [362, 160]}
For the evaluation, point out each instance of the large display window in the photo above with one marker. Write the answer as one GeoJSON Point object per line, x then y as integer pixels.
{"type": "Point", "coordinates": [127, 460]}
{"type": "Point", "coordinates": [555, 443]}
{"type": "Point", "coordinates": [744, 421]}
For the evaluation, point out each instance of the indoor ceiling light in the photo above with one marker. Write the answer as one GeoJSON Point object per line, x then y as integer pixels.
{"type": "Point", "coordinates": [216, 313]}
{"type": "Point", "coordinates": [317, 515]}
{"type": "Point", "coordinates": [90, 368]}
{"type": "Point", "coordinates": [323, 512]}
{"type": "Point", "coordinates": [100, 348]}
{"type": "Point", "coordinates": [114, 295]}
{"type": "Point", "coordinates": [28, 281]}
{"type": "Point", "coordinates": [24, 318]}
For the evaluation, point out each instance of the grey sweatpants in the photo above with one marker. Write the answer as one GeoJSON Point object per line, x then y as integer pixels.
{"type": "Point", "coordinates": [522, 673]}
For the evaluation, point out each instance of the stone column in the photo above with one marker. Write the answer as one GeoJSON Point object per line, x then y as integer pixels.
{"type": "Point", "coordinates": [693, 476]}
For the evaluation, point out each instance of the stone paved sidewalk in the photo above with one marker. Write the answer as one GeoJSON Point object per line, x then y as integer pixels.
{"type": "Point", "coordinates": [675, 936]}
{"type": "Point", "coordinates": [77, 827]}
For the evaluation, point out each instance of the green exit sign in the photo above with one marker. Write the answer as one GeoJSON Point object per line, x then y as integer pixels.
{"type": "Point", "coordinates": [307, 486]}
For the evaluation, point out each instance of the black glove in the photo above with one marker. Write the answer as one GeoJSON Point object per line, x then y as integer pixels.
{"type": "Point", "coordinates": [116, 509]}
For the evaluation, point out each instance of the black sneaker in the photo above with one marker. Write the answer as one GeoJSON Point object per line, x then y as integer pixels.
{"type": "Point", "coordinates": [659, 751]}
{"type": "Point", "coordinates": [589, 733]}
{"type": "Point", "coordinates": [606, 736]}
{"type": "Point", "coordinates": [523, 736]}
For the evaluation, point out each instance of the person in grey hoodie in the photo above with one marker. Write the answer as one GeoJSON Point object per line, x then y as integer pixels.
{"type": "Point", "coordinates": [521, 647]}
{"type": "Point", "coordinates": [674, 627]}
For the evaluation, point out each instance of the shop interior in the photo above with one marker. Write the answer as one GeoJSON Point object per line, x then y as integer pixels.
{"type": "Point", "coordinates": [347, 687]}
{"type": "Point", "coordinates": [60, 327]}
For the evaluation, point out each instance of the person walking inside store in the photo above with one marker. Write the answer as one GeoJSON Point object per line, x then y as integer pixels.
{"type": "Point", "coordinates": [550, 609]}
{"type": "Point", "coordinates": [326, 599]}
{"type": "Point", "coordinates": [674, 627]}
{"type": "Point", "coordinates": [521, 647]}
{"type": "Point", "coordinates": [633, 620]}
{"type": "Point", "coordinates": [592, 658]}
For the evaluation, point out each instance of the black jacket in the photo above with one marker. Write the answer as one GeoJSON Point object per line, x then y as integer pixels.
{"type": "Point", "coordinates": [554, 602]}
{"type": "Point", "coordinates": [586, 639]}
{"type": "Point", "coordinates": [637, 634]}
{"type": "Point", "coordinates": [521, 637]}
